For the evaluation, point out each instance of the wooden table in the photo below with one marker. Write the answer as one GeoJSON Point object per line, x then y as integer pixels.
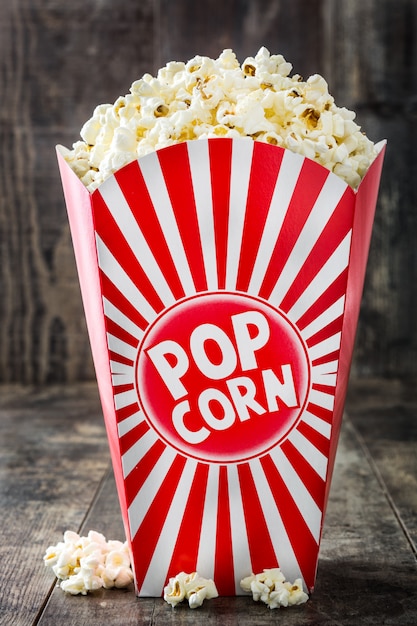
{"type": "Point", "coordinates": [55, 475]}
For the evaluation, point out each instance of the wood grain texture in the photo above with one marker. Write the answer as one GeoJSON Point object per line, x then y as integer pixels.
{"type": "Point", "coordinates": [55, 476]}
{"type": "Point", "coordinates": [386, 428]}
{"type": "Point", "coordinates": [58, 60]}
{"type": "Point", "coordinates": [53, 457]}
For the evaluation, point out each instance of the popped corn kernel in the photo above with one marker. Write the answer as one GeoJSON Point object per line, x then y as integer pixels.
{"type": "Point", "coordinates": [271, 588]}
{"type": "Point", "coordinates": [88, 563]}
{"type": "Point", "coordinates": [220, 98]}
{"type": "Point", "coordinates": [191, 587]}
{"type": "Point", "coordinates": [296, 592]}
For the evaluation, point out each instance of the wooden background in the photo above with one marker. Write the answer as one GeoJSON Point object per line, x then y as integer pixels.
{"type": "Point", "coordinates": [59, 59]}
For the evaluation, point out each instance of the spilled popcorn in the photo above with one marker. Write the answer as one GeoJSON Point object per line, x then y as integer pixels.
{"type": "Point", "coordinates": [191, 587]}
{"type": "Point", "coordinates": [206, 98]}
{"type": "Point", "coordinates": [271, 588]}
{"type": "Point", "coordinates": [86, 564]}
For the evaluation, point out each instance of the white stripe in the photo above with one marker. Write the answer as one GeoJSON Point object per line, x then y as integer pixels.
{"type": "Point", "coordinates": [322, 399]}
{"type": "Point", "coordinates": [128, 423]}
{"type": "Point", "coordinates": [157, 571]}
{"type": "Point", "coordinates": [299, 492]}
{"type": "Point", "coordinates": [158, 192]}
{"type": "Point", "coordinates": [327, 346]}
{"type": "Point", "coordinates": [200, 173]}
{"type": "Point", "coordinates": [240, 547]}
{"type": "Point", "coordinates": [126, 398]}
{"type": "Point", "coordinates": [121, 347]}
{"type": "Point", "coordinates": [312, 455]}
{"type": "Point", "coordinates": [321, 426]}
{"type": "Point", "coordinates": [240, 172]}
{"type": "Point", "coordinates": [149, 489]}
{"type": "Point", "coordinates": [333, 267]}
{"type": "Point", "coordinates": [330, 195]}
{"type": "Point", "coordinates": [123, 379]}
{"type": "Point", "coordinates": [136, 452]}
{"type": "Point", "coordinates": [324, 379]}
{"type": "Point", "coordinates": [329, 315]}
{"type": "Point", "coordinates": [324, 368]}
{"type": "Point", "coordinates": [119, 368]}
{"type": "Point", "coordinates": [119, 208]}
{"type": "Point", "coordinates": [279, 537]}
{"type": "Point", "coordinates": [112, 268]}
{"type": "Point", "coordinates": [208, 534]}
{"type": "Point", "coordinates": [284, 188]}
{"type": "Point", "coordinates": [121, 319]}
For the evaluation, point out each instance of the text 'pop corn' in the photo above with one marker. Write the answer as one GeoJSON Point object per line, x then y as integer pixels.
{"type": "Point", "coordinates": [207, 98]}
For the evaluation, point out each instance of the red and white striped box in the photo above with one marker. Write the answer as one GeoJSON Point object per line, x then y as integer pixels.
{"type": "Point", "coordinates": [221, 282]}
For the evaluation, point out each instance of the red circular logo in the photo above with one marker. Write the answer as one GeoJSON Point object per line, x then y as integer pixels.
{"type": "Point", "coordinates": [222, 377]}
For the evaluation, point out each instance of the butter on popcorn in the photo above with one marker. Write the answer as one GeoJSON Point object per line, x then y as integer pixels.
{"type": "Point", "coordinates": [207, 98]}
{"type": "Point", "coordinates": [191, 587]}
{"type": "Point", "coordinates": [84, 564]}
{"type": "Point", "coordinates": [271, 588]}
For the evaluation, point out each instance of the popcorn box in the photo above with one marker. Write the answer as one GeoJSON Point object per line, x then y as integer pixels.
{"type": "Point", "coordinates": [221, 281]}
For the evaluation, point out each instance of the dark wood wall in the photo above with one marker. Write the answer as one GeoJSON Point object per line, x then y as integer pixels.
{"type": "Point", "coordinates": [59, 59]}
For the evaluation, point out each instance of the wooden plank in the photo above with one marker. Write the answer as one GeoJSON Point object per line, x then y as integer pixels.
{"type": "Point", "coordinates": [53, 456]}
{"type": "Point", "coordinates": [367, 573]}
{"type": "Point", "coordinates": [384, 415]}
{"type": "Point", "coordinates": [371, 62]}
{"type": "Point", "coordinates": [189, 28]}
{"type": "Point", "coordinates": [61, 59]}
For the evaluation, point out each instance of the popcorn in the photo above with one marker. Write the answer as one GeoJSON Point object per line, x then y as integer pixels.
{"type": "Point", "coordinates": [271, 588]}
{"type": "Point", "coordinates": [191, 587]}
{"type": "Point", "coordinates": [86, 564]}
{"type": "Point", "coordinates": [220, 98]}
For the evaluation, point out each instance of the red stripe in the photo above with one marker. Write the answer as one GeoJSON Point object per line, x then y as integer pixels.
{"type": "Point", "coordinates": [318, 440]}
{"type": "Point", "coordinates": [223, 565]}
{"type": "Point", "coordinates": [134, 189]}
{"type": "Point", "coordinates": [122, 388]}
{"type": "Point", "coordinates": [220, 151]}
{"type": "Point", "coordinates": [118, 358]}
{"type": "Point", "coordinates": [146, 538]}
{"type": "Point", "coordinates": [185, 555]}
{"type": "Point", "coordinates": [178, 180]}
{"type": "Point", "coordinates": [315, 485]}
{"type": "Point", "coordinates": [334, 291]}
{"type": "Point", "coordinates": [107, 228]}
{"type": "Point", "coordinates": [126, 411]}
{"type": "Point", "coordinates": [266, 162]}
{"type": "Point", "coordinates": [131, 437]}
{"type": "Point", "coordinates": [115, 296]}
{"type": "Point", "coordinates": [329, 389]}
{"type": "Point", "coordinates": [117, 331]}
{"type": "Point", "coordinates": [328, 331]}
{"type": "Point", "coordinates": [307, 189]}
{"type": "Point", "coordinates": [327, 358]}
{"type": "Point", "coordinates": [336, 229]}
{"type": "Point", "coordinates": [135, 479]}
{"type": "Point", "coordinates": [303, 543]}
{"type": "Point", "coordinates": [320, 412]}
{"type": "Point", "coordinates": [261, 549]}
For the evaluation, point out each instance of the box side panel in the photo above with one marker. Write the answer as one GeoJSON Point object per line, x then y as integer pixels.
{"type": "Point", "coordinates": [79, 208]}
{"type": "Point", "coordinates": [365, 205]}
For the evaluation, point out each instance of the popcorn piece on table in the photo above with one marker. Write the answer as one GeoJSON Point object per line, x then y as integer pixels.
{"type": "Point", "coordinates": [191, 587]}
{"type": "Point", "coordinates": [271, 588]}
{"type": "Point", "coordinates": [219, 97]}
{"type": "Point", "coordinates": [88, 563]}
